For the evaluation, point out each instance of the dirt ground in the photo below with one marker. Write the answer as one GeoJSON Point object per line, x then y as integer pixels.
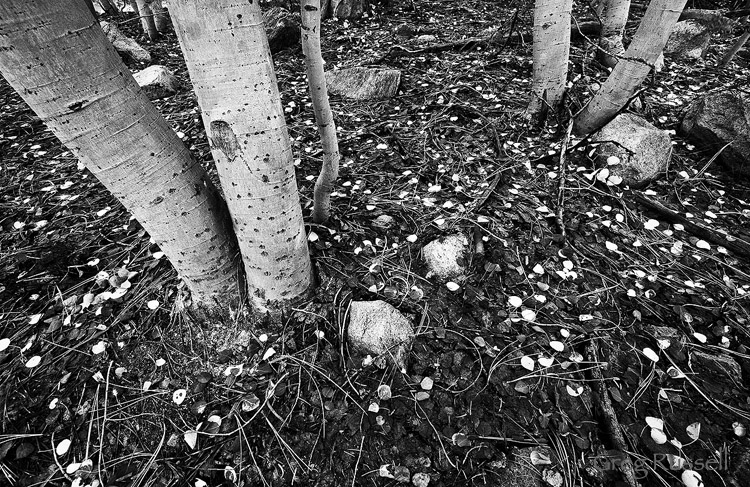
{"type": "Point", "coordinates": [508, 380]}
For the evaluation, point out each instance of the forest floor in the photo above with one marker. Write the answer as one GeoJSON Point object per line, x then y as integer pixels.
{"type": "Point", "coordinates": [542, 332]}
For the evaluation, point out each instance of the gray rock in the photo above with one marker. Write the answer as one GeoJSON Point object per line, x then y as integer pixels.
{"type": "Point", "coordinates": [444, 257]}
{"type": "Point", "coordinates": [739, 473]}
{"type": "Point", "coordinates": [377, 328]}
{"type": "Point", "coordinates": [401, 474]}
{"type": "Point", "coordinates": [363, 83]}
{"type": "Point", "coordinates": [520, 472]}
{"type": "Point", "coordinates": [719, 364]}
{"type": "Point", "coordinates": [383, 221]}
{"type": "Point", "coordinates": [421, 479]}
{"type": "Point", "coordinates": [552, 477]}
{"type": "Point", "coordinates": [405, 30]}
{"type": "Point", "coordinates": [643, 150]}
{"type": "Point", "coordinates": [720, 118]}
{"type": "Point", "coordinates": [157, 82]}
{"type": "Point", "coordinates": [282, 28]}
{"type": "Point", "coordinates": [123, 44]}
{"type": "Point", "coordinates": [689, 39]}
{"type": "Point", "coordinates": [426, 38]}
{"type": "Point", "coordinates": [347, 9]}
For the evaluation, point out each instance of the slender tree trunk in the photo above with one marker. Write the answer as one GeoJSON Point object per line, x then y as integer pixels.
{"type": "Point", "coordinates": [55, 55]}
{"type": "Point", "coordinates": [109, 7]}
{"type": "Point", "coordinates": [160, 16]}
{"type": "Point", "coordinates": [147, 19]}
{"type": "Point", "coordinates": [90, 7]}
{"type": "Point", "coordinates": [644, 50]}
{"type": "Point", "coordinates": [227, 55]}
{"type": "Point", "coordinates": [551, 51]}
{"type": "Point", "coordinates": [614, 16]}
{"type": "Point", "coordinates": [329, 172]}
{"type": "Point", "coordinates": [739, 43]}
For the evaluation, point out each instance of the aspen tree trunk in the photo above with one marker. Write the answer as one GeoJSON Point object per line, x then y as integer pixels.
{"type": "Point", "coordinates": [109, 7]}
{"type": "Point", "coordinates": [738, 44]}
{"type": "Point", "coordinates": [729, 56]}
{"type": "Point", "coordinates": [147, 19]}
{"type": "Point", "coordinates": [55, 55]}
{"type": "Point", "coordinates": [644, 50]}
{"type": "Point", "coordinates": [614, 16]}
{"type": "Point", "coordinates": [227, 55]}
{"type": "Point", "coordinates": [551, 50]}
{"type": "Point", "coordinates": [329, 172]}
{"type": "Point", "coordinates": [161, 19]}
{"type": "Point", "coordinates": [90, 7]}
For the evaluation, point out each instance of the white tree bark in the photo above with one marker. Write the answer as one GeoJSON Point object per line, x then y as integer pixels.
{"type": "Point", "coordinates": [644, 50]}
{"type": "Point", "coordinates": [227, 55]}
{"type": "Point", "coordinates": [329, 172]}
{"type": "Point", "coordinates": [551, 51]}
{"type": "Point", "coordinates": [614, 16]}
{"type": "Point", "coordinates": [147, 19]}
{"type": "Point", "coordinates": [109, 7]}
{"type": "Point", "coordinates": [739, 43]}
{"type": "Point", "coordinates": [161, 19]}
{"type": "Point", "coordinates": [58, 59]}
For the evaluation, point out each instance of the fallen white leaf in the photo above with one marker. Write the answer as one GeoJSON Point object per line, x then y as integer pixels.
{"type": "Point", "coordinates": [546, 361]}
{"type": "Point", "coordinates": [650, 354]}
{"type": "Point", "coordinates": [575, 392]}
{"type": "Point", "coordinates": [527, 362]}
{"type": "Point", "coordinates": [702, 244]}
{"type": "Point", "coordinates": [191, 438]}
{"type": "Point", "coordinates": [653, 422]}
{"type": "Point", "coordinates": [99, 347]}
{"type": "Point", "coordinates": [691, 478]}
{"type": "Point", "coordinates": [34, 361]}
{"type": "Point", "coordinates": [62, 447]}
{"type": "Point", "coordinates": [658, 436]}
{"type": "Point", "coordinates": [693, 430]}
{"type": "Point", "coordinates": [269, 353]}
{"type": "Point", "coordinates": [179, 396]}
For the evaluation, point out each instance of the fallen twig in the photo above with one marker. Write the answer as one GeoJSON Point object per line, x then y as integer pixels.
{"type": "Point", "coordinates": [610, 416]}
{"type": "Point", "coordinates": [561, 181]}
{"type": "Point", "coordinates": [736, 245]}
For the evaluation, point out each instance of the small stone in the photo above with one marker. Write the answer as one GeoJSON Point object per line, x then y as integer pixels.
{"type": "Point", "coordinates": [644, 150]}
{"type": "Point", "coordinates": [444, 257]}
{"type": "Point", "coordinates": [363, 83]}
{"type": "Point", "coordinates": [426, 38]}
{"type": "Point", "coordinates": [689, 39]}
{"type": "Point", "coordinates": [377, 328]}
{"type": "Point", "coordinates": [383, 222]}
{"type": "Point", "coordinates": [405, 30]}
{"type": "Point", "coordinates": [720, 120]}
{"type": "Point", "coordinates": [282, 28]}
{"type": "Point", "coordinates": [401, 474]}
{"type": "Point", "coordinates": [420, 479]}
{"type": "Point", "coordinates": [157, 82]}
{"type": "Point", "coordinates": [347, 9]}
{"type": "Point", "coordinates": [123, 44]}
{"type": "Point", "coordinates": [719, 364]}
